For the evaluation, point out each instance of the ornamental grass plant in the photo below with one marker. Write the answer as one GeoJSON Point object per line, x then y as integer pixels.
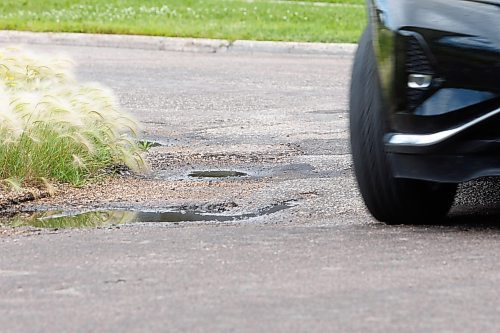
{"type": "Point", "coordinates": [53, 128]}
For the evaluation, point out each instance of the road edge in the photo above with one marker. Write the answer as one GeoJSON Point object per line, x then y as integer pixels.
{"type": "Point", "coordinates": [176, 44]}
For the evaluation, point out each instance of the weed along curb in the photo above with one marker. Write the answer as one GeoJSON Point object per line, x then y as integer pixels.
{"type": "Point", "coordinates": [175, 44]}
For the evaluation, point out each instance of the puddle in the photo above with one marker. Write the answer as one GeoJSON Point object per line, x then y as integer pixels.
{"type": "Point", "coordinates": [327, 112]}
{"type": "Point", "coordinates": [216, 174]}
{"type": "Point", "coordinates": [94, 219]}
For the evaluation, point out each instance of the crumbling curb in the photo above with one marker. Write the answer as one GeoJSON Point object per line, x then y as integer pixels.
{"type": "Point", "coordinates": [174, 44]}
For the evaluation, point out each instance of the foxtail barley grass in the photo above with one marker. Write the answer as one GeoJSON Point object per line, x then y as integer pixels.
{"type": "Point", "coordinates": [54, 128]}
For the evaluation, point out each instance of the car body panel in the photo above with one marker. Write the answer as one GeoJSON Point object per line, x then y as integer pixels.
{"type": "Point", "coordinates": [455, 118]}
{"type": "Point", "coordinates": [464, 54]}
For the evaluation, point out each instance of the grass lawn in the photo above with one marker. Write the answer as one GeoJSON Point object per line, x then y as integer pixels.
{"type": "Point", "coordinates": [305, 20]}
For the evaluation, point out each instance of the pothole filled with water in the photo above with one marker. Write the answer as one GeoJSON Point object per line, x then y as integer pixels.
{"type": "Point", "coordinates": [216, 174]}
{"type": "Point", "coordinates": [101, 218]}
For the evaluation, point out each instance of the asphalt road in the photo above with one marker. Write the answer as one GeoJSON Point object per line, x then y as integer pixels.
{"type": "Point", "coordinates": [322, 265]}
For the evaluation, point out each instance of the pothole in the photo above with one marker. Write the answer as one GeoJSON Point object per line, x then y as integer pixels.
{"type": "Point", "coordinates": [101, 218]}
{"type": "Point", "coordinates": [216, 174]}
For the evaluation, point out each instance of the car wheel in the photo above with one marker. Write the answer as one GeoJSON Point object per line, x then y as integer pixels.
{"type": "Point", "coordinates": [389, 199]}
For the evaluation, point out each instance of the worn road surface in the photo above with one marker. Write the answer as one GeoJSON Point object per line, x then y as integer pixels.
{"type": "Point", "coordinates": [323, 265]}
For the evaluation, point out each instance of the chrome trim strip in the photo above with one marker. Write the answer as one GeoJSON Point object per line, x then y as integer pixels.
{"type": "Point", "coordinates": [421, 140]}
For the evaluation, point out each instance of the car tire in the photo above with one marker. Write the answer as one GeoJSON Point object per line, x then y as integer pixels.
{"type": "Point", "coordinates": [389, 199]}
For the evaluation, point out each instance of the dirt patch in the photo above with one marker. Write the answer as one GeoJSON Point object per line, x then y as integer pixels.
{"type": "Point", "coordinates": [167, 157]}
{"type": "Point", "coordinates": [9, 199]}
{"type": "Point", "coordinates": [130, 190]}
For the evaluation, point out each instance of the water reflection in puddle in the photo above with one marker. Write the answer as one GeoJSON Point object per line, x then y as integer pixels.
{"type": "Point", "coordinates": [93, 219]}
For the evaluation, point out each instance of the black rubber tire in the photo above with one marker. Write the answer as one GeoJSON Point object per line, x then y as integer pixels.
{"type": "Point", "coordinates": [389, 199]}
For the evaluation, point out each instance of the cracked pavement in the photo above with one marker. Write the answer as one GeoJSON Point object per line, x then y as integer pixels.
{"type": "Point", "coordinates": [322, 265]}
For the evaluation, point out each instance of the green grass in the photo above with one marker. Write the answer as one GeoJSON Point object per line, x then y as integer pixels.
{"type": "Point", "coordinates": [349, 2]}
{"type": "Point", "coordinates": [53, 128]}
{"type": "Point", "coordinates": [336, 21]}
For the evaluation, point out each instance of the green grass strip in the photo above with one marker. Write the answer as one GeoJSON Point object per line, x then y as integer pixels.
{"type": "Point", "coordinates": [307, 20]}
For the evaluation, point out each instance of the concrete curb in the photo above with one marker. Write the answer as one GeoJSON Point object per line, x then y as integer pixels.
{"type": "Point", "coordinates": [174, 44]}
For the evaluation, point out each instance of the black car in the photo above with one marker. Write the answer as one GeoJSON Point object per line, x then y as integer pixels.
{"type": "Point", "coordinates": [425, 104]}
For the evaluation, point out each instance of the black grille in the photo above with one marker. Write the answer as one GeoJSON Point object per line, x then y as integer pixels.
{"type": "Point", "coordinates": [416, 62]}
{"type": "Point", "coordinates": [416, 59]}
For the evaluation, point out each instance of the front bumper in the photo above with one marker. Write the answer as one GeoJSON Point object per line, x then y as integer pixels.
{"type": "Point", "coordinates": [444, 168]}
{"type": "Point", "coordinates": [460, 154]}
{"type": "Point", "coordinates": [448, 130]}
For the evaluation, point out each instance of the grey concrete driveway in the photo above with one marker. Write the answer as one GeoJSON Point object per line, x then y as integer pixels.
{"type": "Point", "coordinates": [322, 265]}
